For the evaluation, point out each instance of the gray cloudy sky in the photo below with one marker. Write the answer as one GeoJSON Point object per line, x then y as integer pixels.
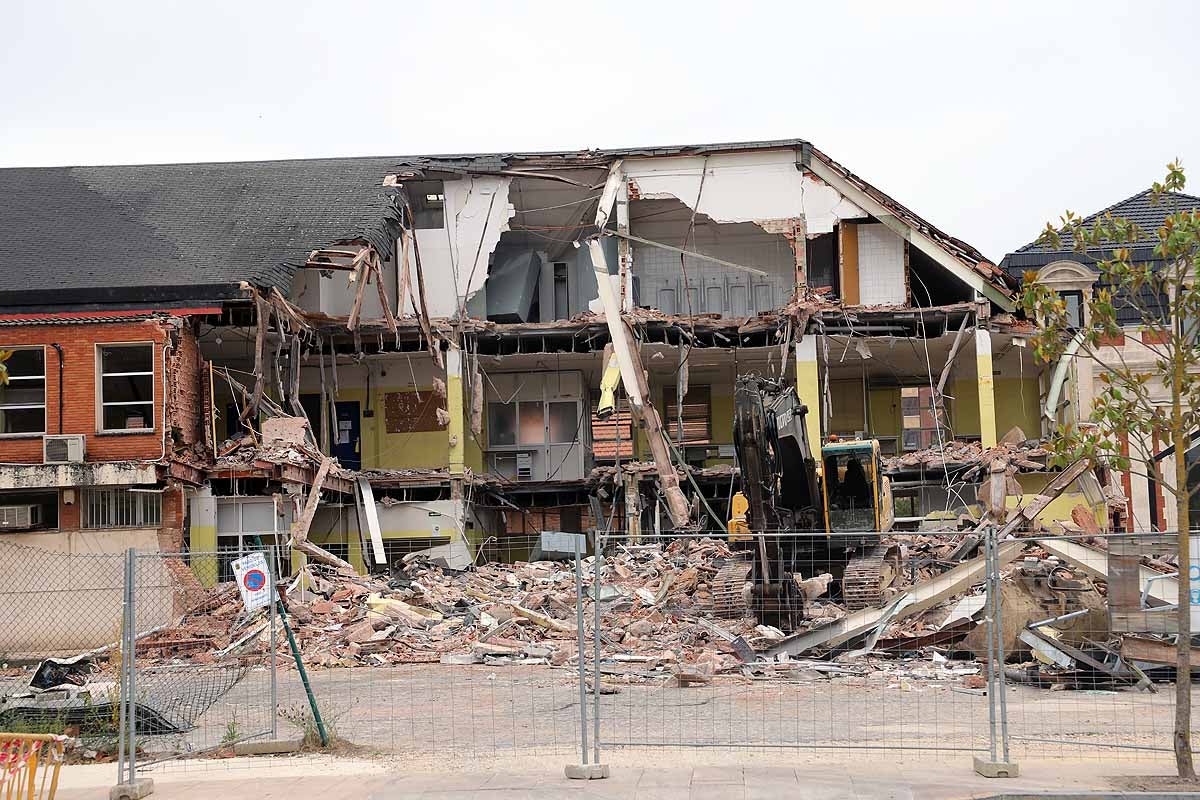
{"type": "Point", "coordinates": [986, 118]}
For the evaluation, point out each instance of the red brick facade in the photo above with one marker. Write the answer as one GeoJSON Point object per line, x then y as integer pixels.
{"type": "Point", "coordinates": [78, 342]}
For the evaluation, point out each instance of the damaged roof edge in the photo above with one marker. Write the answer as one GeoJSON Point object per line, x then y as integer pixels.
{"type": "Point", "coordinates": [960, 258]}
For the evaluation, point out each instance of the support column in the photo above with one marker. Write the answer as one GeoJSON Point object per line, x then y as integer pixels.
{"type": "Point", "coordinates": [455, 440]}
{"type": "Point", "coordinates": [202, 537]}
{"type": "Point", "coordinates": [986, 386]}
{"type": "Point", "coordinates": [808, 387]}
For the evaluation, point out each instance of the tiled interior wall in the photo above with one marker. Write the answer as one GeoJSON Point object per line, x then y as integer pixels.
{"type": "Point", "coordinates": [880, 266]}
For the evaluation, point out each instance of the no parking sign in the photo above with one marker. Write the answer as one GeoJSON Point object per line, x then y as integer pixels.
{"type": "Point", "coordinates": [253, 578]}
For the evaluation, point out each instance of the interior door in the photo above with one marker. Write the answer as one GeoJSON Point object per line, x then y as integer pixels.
{"type": "Point", "coordinates": [347, 430]}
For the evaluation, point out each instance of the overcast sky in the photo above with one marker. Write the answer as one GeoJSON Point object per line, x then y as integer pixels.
{"type": "Point", "coordinates": [988, 119]}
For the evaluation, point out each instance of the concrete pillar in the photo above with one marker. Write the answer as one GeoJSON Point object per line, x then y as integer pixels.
{"type": "Point", "coordinates": [455, 438]}
{"type": "Point", "coordinates": [986, 387]}
{"type": "Point", "coordinates": [808, 387]}
{"type": "Point", "coordinates": [202, 536]}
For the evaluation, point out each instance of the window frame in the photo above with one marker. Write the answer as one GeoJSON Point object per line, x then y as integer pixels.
{"type": "Point", "coordinates": [1073, 294]}
{"type": "Point", "coordinates": [139, 507]}
{"type": "Point", "coordinates": [101, 375]}
{"type": "Point", "coordinates": [42, 432]}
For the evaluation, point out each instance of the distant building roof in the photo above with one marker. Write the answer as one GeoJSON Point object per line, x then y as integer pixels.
{"type": "Point", "coordinates": [1139, 208]}
{"type": "Point", "coordinates": [90, 236]}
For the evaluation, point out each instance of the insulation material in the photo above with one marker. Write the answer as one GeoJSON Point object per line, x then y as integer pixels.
{"type": "Point", "coordinates": [880, 266]}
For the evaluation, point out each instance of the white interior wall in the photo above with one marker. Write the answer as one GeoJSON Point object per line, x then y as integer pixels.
{"type": "Point", "coordinates": [880, 266]}
{"type": "Point", "coordinates": [454, 259]}
{"type": "Point", "coordinates": [743, 187]}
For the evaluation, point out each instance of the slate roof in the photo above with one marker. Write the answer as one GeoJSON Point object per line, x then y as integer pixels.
{"type": "Point", "coordinates": [182, 232]}
{"type": "Point", "coordinates": [1139, 208]}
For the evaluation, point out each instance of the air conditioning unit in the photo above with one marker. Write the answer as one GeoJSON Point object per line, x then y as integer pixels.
{"type": "Point", "coordinates": [62, 449]}
{"type": "Point", "coordinates": [16, 518]}
{"type": "Point", "coordinates": [524, 466]}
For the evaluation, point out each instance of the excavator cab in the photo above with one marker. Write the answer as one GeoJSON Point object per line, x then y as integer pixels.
{"type": "Point", "coordinates": [858, 497]}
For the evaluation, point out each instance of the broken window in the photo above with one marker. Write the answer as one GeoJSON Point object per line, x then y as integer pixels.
{"type": "Point", "coordinates": [23, 397]}
{"type": "Point", "coordinates": [122, 508]}
{"type": "Point", "coordinates": [126, 387]}
{"type": "Point", "coordinates": [428, 204]}
{"type": "Point", "coordinates": [694, 426]}
{"type": "Point", "coordinates": [822, 262]}
{"type": "Point", "coordinates": [919, 421]}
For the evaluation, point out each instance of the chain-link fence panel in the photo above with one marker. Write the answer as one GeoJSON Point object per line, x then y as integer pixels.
{"type": "Point", "coordinates": [1090, 630]}
{"type": "Point", "coordinates": [60, 642]}
{"type": "Point", "coordinates": [793, 640]}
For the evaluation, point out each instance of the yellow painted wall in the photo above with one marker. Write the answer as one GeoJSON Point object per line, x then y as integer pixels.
{"type": "Point", "coordinates": [846, 403]}
{"type": "Point", "coordinates": [885, 411]}
{"type": "Point", "coordinates": [1017, 404]}
{"type": "Point", "coordinates": [383, 450]}
{"type": "Point", "coordinates": [964, 408]}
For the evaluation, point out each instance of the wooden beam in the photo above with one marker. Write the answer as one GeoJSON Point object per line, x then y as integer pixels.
{"type": "Point", "coordinates": [299, 538]}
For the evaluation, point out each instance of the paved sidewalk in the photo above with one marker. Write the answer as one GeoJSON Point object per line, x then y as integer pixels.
{"type": "Point", "coordinates": [542, 779]}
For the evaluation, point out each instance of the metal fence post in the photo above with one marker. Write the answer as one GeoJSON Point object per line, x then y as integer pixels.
{"type": "Point", "coordinates": [990, 589]}
{"type": "Point", "coordinates": [583, 743]}
{"type": "Point", "coordinates": [597, 562]}
{"type": "Point", "coordinates": [123, 670]}
{"type": "Point", "coordinates": [131, 712]}
{"type": "Point", "coordinates": [272, 611]}
{"type": "Point", "coordinates": [1001, 680]}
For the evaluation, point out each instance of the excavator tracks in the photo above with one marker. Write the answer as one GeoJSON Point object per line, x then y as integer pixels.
{"type": "Point", "coordinates": [867, 577]}
{"type": "Point", "coordinates": [729, 591]}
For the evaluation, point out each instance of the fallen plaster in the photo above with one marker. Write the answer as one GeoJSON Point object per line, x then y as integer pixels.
{"type": "Point", "coordinates": [766, 188]}
{"type": "Point", "coordinates": [477, 211]}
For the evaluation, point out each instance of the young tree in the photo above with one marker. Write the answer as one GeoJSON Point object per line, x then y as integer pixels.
{"type": "Point", "coordinates": [1136, 405]}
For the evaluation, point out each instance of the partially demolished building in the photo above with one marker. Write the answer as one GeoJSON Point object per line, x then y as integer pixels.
{"type": "Point", "coordinates": [375, 356]}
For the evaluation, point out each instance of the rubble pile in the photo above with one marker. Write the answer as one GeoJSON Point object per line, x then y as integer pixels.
{"type": "Point", "coordinates": [654, 600]}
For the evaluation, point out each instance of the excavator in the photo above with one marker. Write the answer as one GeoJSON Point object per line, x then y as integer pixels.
{"type": "Point", "coordinates": [796, 517]}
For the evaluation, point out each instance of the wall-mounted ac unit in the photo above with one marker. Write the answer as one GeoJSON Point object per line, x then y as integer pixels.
{"type": "Point", "coordinates": [62, 449]}
{"type": "Point", "coordinates": [524, 466]}
{"type": "Point", "coordinates": [16, 518]}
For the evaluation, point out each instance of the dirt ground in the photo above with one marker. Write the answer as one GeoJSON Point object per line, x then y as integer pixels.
{"type": "Point", "coordinates": [451, 714]}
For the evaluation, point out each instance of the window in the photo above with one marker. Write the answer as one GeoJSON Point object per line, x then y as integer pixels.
{"type": "Point", "coordinates": [564, 422]}
{"type": "Point", "coordinates": [502, 423]}
{"type": "Point", "coordinates": [696, 415]}
{"type": "Point", "coordinates": [919, 421]}
{"type": "Point", "coordinates": [126, 387]}
{"type": "Point", "coordinates": [428, 204]}
{"type": "Point", "coordinates": [23, 398]}
{"type": "Point", "coordinates": [242, 523]}
{"type": "Point", "coordinates": [533, 422]}
{"type": "Point", "coordinates": [121, 508]}
{"type": "Point", "coordinates": [1074, 302]}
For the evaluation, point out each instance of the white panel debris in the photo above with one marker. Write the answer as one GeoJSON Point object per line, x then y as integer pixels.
{"type": "Point", "coordinates": [455, 258]}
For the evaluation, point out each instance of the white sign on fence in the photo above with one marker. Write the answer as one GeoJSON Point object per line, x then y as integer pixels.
{"type": "Point", "coordinates": [253, 578]}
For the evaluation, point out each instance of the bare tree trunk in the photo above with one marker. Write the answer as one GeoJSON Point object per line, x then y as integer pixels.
{"type": "Point", "coordinates": [1183, 667]}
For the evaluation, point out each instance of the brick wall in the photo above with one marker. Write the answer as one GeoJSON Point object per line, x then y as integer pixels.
{"type": "Point", "coordinates": [185, 395]}
{"type": "Point", "coordinates": [80, 397]}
